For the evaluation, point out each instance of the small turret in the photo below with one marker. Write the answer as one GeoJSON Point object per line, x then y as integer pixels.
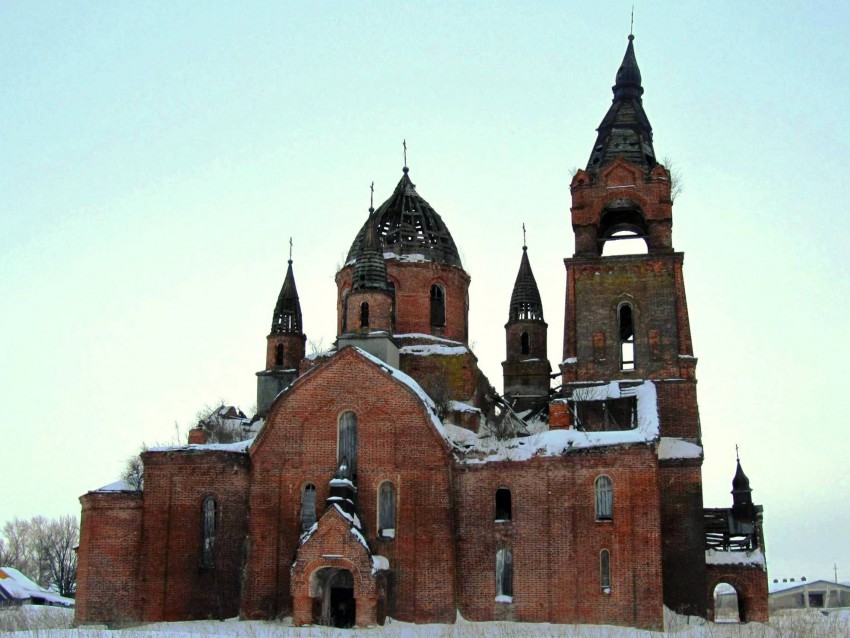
{"type": "Point", "coordinates": [742, 496]}
{"type": "Point", "coordinates": [526, 367]}
{"type": "Point", "coordinates": [285, 345]}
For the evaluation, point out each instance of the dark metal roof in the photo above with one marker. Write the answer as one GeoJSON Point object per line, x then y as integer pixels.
{"type": "Point", "coordinates": [625, 130]}
{"type": "Point", "coordinates": [740, 483]}
{"type": "Point", "coordinates": [525, 299]}
{"type": "Point", "coordinates": [408, 225]}
{"type": "Point", "coordinates": [287, 311]}
{"type": "Point", "coordinates": [370, 271]}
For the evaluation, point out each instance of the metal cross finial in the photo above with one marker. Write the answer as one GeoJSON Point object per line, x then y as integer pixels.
{"type": "Point", "coordinates": [290, 249]}
{"type": "Point", "coordinates": [523, 235]}
{"type": "Point", "coordinates": [404, 144]}
{"type": "Point", "coordinates": [632, 25]}
{"type": "Point", "coordinates": [737, 458]}
{"type": "Point", "coordinates": [372, 197]}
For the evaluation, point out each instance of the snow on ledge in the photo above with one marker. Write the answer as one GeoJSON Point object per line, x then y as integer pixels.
{"type": "Point", "coordinates": [379, 563]}
{"type": "Point", "coordinates": [501, 598]}
{"type": "Point", "coordinates": [459, 406]}
{"type": "Point", "coordinates": [670, 447]}
{"type": "Point", "coordinates": [432, 349]}
{"type": "Point", "coordinates": [118, 486]}
{"type": "Point", "coordinates": [422, 335]}
{"type": "Point", "coordinates": [754, 558]}
{"type": "Point", "coordinates": [239, 446]}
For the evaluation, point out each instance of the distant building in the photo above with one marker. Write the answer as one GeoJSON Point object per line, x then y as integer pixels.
{"type": "Point", "coordinates": [388, 478]}
{"type": "Point", "coordinates": [816, 594]}
{"type": "Point", "coordinates": [17, 589]}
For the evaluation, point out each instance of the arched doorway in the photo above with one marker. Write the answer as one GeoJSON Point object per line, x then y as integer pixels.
{"type": "Point", "coordinates": [727, 604]}
{"type": "Point", "coordinates": [332, 589]}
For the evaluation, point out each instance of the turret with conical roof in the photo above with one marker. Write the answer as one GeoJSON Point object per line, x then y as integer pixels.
{"type": "Point", "coordinates": [526, 367]}
{"type": "Point", "coordinates": [284, 345]}
{"type": "Point", "coordinates": [742, 495]}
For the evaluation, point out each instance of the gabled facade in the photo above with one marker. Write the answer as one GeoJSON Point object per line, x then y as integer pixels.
{"type": "Point", "coordinates": [388, 478]}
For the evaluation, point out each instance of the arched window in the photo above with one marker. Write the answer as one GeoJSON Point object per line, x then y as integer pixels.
{"type": "Point", "coordinates": [308, 506]}
{"type": "Point", "coordinates": [347, 448]}
{"type": "Point", "coordinates": [524, 343]}
{"type": "Point", "coordinates": [604, 498]}
{"type": "Point", "coordinates": [278, 354]}
{"type": "Point", "coordinates": [605, 570]}
{"type": "Point", "coordinates": [504, 576]}
{"type": "Point", "coordinates": [208, 525]}
{"type": "Point", "coordinates": [438, 305]}
{"type": "Point", "coordinates": [386, 510]}
{"type": "Point", "coordinates": [503, 504]}
{"type": "Point", "coordinates": [626, 334]}
{"type": "Point", "coordinates": [364, 315]}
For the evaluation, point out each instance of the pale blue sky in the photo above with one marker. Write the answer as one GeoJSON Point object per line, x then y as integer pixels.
{"type": "Point", "coordinates": [155, 158]}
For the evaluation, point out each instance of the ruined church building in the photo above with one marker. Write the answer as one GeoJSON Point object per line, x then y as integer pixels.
{"type": "Point", "coordinates": [388, 479]}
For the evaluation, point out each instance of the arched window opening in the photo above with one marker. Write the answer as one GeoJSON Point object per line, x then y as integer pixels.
{"type": "Point", "coordinates": [504, 576]}
{"type": "Point", "coordinates": [347, 448]}
{"type": "Point", "coordinates": [605, 571]}
{"type": "Point", "coordinates": [524, 344]}
{"type": "Point", "coordinates": [208, 525]}
{"type": "Point", "coordinates": [438, 306]}
{"type": "Point", "coordinates": [626, 334]}
{"type": "Point", "coordinates": [308, 506]}
{"type": "Point", "coordinates": [604, 498]}
{"type": "Point", "coordinates": [364, 315]}
{"type": "Point", "coordinates": [727, 604]}
{"type": "Point", "coordinates": [386, 510]}
{"type": "Point", "coordinates": [623, 229]}
{"type": "Point", "coordinates": [503, 504]}
{"type": "Point", "coordinates": [278, 354]}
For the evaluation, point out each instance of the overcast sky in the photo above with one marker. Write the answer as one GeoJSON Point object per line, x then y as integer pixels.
{"type": "Point", "coordinates": [156, 157]}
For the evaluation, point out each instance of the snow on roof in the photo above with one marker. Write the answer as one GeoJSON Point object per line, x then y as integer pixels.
{"type": "Point", "coordinates": [239, 446]}
{"type": "Point", "coordinates": [473, 449]}
{"type": "Point", "coordinates": [718, 557]}
{"type": "Point", "coordinates": [569, 360]}
{"type": "Point", "coordinates": [410, 259]}
{"type": "Point", "coordinates": [379, 563]}
{"type": "Point", "coordinates": [670, 447]}
{"type": "Point", "coordinates": [422, 335]}
{"type": "Point", "coordinates": [459, 406]}
{"type": "Point", "coordinates": [18, 586]}
{"type": "Point", "coordinates": [118, 486]}
{"type": "Point", "coordinates": [431, 349]}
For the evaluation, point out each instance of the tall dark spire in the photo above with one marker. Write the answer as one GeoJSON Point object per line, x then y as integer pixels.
{"type": "Point", "coordinates": [525, 298]}
{"type": "Point", "coordinates": [625, 130]}
{"type": "Point", "coordinates": [287, 310]}
{"type": "Point", "coordinates": [370, 271]}
{"type": "Point", "coordinates": [742, 495]}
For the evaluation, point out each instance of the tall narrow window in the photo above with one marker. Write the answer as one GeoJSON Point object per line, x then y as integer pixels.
{"type": "Point", "coordinates": [386, 510]}
{"type": "Point", "coordinates": [391, 288]}
{"type": "Point", "coordinates": [208, 524]}
{"type": "Point", "coordinates": [308, 506]}
{"type": "Point", "coordinates": [347, 450]}
{"type": "Point", "coordinates": [605, 570]}
{"type": "Point", "coordinates": [504, 576]}
{"type": "Point", "coordinates": [364, 315]}
{"type": "Point", "coordinates": [503, 504]}
{"type": "Point", "coordinates": [626, 329]}
{"type": "Point", "coordinates": [524, 343]}
{"type": "Point", "coordinates": [345, 312]}
{"type": "Point", "coordinates": [278, 354]}
{"type": "Point", "coordinates": [438, 305]}
{"type": "Point", "coordinates": [604, 498]}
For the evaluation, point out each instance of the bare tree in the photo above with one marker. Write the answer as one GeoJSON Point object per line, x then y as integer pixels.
{"type": "Point", "coordinates": [134, 472]}
{"type": "Point", "coordinates": [677, 185]}
{"type": "Point", "coordinates": [43, 549]}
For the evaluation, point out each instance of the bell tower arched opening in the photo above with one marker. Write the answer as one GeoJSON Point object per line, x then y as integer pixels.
{"type": "Point", "coordinates": [622, 229]}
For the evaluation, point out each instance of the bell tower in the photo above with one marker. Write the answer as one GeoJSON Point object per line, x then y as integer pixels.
{"type": "Point", "coordinates": [627, 317]}
{"type": "Point", "coordinates": [284, 345]}
{"type": "Point", "coordinates": [526, 367]}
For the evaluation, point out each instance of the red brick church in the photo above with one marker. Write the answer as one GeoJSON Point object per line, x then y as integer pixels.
{"type": "Point", "coordinates": [387, 478]}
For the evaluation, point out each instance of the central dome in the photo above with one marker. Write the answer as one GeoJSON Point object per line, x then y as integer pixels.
{"type": "Point", "coordinates": [410, 229]}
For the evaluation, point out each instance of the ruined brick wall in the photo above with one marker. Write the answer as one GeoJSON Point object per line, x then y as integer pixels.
{"type": "Point", "coordinates": [396, 442]}
{"type": "Point", "coordinates": [108, 558]}
{"type": "Point", "coordinates": [453, 376]}
{"type": "Point", "coordinates": [174, 583]}
{"type": "Point", "coordinates": [750, 583]}
{"type": "Point", "coordinates": [556, 540]}
{"type": "Point", "coordinates": [413, 283]}
{"type": "Point", "coordinates": [683, 536]}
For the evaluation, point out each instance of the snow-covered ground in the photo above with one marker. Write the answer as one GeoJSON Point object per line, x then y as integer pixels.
{"type": "Point", "coordinates": [33, 622]}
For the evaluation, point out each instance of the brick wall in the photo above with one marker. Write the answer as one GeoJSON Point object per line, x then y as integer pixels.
{"type": "Point", "coordinates": [750, 583]}
{"type": "Point", "coordinates": [108, 558]}
{"type": "Point", "coordinates": [556, 541]}
{"type": "Point", "coordinates": [174, 585]}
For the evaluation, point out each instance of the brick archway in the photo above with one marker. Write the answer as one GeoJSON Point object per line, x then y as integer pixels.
{"type": "Point", "coordinates": [749, 583]}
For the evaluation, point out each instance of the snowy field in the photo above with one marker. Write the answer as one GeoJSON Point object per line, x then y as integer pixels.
{"type": "Point", "coordinates": [30, 622]}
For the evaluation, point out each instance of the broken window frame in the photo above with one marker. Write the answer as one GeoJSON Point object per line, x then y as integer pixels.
{"type": "Point", "coordinates": [626, 337]}
{"type": "Point", "coordinates": [603, 488]}
{"type": "Point", "coordinates": [308, 506]}
{"type": "Point", "coordinates": [209, 520]}
{"type": "Point", "coordinates": [504, 573]}
{"type": "Point", "coordinates": [347, 441]}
